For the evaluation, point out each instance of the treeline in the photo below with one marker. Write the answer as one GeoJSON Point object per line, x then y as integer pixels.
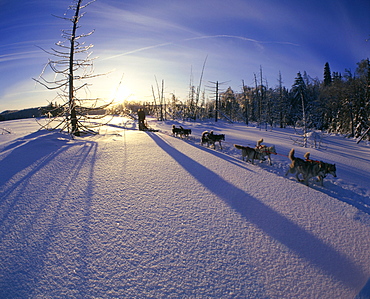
{"type": "Point", "coordinates": [339, 103]}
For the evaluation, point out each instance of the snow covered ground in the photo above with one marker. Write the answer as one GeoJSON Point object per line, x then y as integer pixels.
{"type": "Point", "coordinates": [132, 214]}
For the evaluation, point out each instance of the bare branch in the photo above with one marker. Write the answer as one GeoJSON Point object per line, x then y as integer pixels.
{"type": "Point", "coordinates": [87, 4]}
{"type": "Point", "coordinates": [48, 86]}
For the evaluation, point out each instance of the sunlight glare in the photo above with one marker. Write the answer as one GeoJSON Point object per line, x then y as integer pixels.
{"type": "Point", "coordinates": [122, 93]}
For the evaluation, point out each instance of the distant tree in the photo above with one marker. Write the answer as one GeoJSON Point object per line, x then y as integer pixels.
{"type": "Point", "coordinates": [337, 76]}
{"type": "Point", "coordinates": [191, 104]}
{"type": "Point", "coordinates": [362, 99]}
{"type": "Point", "coordinates": [229, 104]}
{"type": "Point", "coordinates": [282, 106]}
{"type": "Point", "coordinates": [261, 100]}
{"type": "Point", "coordinates": [298, 92]}
{"type": "Point", "coordinates": [299, 101]}
{"type": "Point", "coordinates": [246, 98]}
{"type": "Point", "coordinates": [72, 66]}
{"type": "Point", "coordinates": [259, 106]}
{"type": "Point", "coordinates": [327, 75]}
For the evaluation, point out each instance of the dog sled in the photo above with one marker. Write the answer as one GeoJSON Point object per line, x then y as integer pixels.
{"type": "Point", "coordinates": [145, 127]}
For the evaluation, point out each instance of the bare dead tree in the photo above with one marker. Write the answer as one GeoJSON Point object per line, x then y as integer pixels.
{"type": "Point", "coordinates": [199, 88]}
{"type": "Point", "coordinates": [72, 65]}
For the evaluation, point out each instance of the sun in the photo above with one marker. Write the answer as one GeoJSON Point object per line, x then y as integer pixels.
{"type": "Point", "coordinates": [122, 93]}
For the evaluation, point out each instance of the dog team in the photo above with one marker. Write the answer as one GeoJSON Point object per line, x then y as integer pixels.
{"type": "Point", "coordinates": [304, 170]}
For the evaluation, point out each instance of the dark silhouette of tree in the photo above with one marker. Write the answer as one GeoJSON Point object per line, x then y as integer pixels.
{"type": "Point", "coordinates": [72, 66]}
{"type": "Point", "coordinates": [327, 75]}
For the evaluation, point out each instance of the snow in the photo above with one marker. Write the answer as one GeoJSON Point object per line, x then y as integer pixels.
{"type": "Point", "coordinates": [132, 214]}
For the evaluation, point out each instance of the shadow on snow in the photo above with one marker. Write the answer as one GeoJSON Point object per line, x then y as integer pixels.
{"type": "Point", "coordinates": [274, 224]}
{"type": "Point", "coordinates": [361, 202]}
{"type": "Point", "coordinates": [21, 271]}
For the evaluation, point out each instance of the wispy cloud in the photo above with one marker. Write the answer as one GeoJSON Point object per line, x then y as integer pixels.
{"type": "Point", "coordinates": [241, 38]}
{"type": "Point", "coordinates": [18, 56]}
{"type": "Point", "coordinates": [137, 50]}
{"type": "Point", "coordinates": [257, 42]}
{"type": "Point", "coordinates": [117, 19]}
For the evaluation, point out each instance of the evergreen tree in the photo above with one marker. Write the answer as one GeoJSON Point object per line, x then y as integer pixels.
{"type": "Point", "coordinates": [327, 75]}
{"type": "Point", "coordinates": [299, 95]}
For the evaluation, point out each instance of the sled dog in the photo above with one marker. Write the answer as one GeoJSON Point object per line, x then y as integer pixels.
{"type": "Point", "coordinates": [249, 153]}
{"type": "Point", "coordinates": [210, 138]}
{"type": "Point", "coordinates": [266, 150]}
{"type": "Point", "coordinates": [307, 169]}
{"type": "Point", "coordinates": [204, 138]}
{"type": "Point", "coordinates": [330, 169]}
{"type": "Point", "coordinates": [185, 132]}
{"type": "Point", "coordinates": [327, 168]}
{"type": "Point", "coordinates": [176, 131]}
{"type": "Point", "coordinates": [180, 131]}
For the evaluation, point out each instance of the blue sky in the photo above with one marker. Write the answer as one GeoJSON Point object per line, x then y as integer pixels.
{"type": "Point", "coordinates": [141, 40]}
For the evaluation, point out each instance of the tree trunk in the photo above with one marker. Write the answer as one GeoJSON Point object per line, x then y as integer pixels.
{"type": "Point", "coordinates": [72, 101]}
{"type": "Point", "coordinates": [304, 121]}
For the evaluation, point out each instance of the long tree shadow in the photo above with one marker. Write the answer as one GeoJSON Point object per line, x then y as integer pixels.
{"type": "Point", "coordinates": [28, 155]}
{"type": "Point", "coordinates": [220, 154]}
{"type": "Point", "coordinates": [361, 202]}
{"type": "Point", "coordinates": [22, 271]}
{"type": "Point", "coordinates": [271, 222]}
{"type": "Point", "coordinates": [25, 152]}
